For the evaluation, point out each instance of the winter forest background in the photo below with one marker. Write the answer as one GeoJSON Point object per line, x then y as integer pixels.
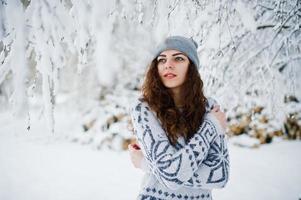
{"type": "Point", "coordinates": [70, 69]}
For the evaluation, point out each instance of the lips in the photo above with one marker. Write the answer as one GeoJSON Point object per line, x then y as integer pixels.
{"type": "Point", "coordinates": [169, 75]}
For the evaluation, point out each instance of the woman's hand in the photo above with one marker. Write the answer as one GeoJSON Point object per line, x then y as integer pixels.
{"type": "Point", "coordinates": [220, 115]}
{"type": "Point", "coordinates": [136, 155]}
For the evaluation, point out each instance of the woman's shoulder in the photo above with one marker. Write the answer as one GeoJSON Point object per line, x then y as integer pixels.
{"type": "Point", "coordinates": [139, 103]}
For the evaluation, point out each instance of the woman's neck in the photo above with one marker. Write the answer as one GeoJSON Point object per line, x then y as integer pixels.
{"type": "Point", "coordinates": [177, 97]}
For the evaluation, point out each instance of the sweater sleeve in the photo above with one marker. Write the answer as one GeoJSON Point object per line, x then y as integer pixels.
{"type": "Point", "coordinates": [214, 170]}
{"type": "Point", "coordinates": [171, 167]}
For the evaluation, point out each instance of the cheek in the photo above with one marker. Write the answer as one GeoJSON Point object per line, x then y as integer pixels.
{"type": "Point", "coordinates": [160, 71]}
{"type": "Point", "coordinates": [183, 71]}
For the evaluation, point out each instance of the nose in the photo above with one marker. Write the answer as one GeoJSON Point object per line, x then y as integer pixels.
{"type": "Point", "coordinates": [168, 64]}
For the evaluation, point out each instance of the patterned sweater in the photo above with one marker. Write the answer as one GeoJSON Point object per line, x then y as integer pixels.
{"type": "Point", "coordinates": [184, 171]}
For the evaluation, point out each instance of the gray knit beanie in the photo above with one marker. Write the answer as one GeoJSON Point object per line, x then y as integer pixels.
{"type": "Point", "coordinates": [186, 45]}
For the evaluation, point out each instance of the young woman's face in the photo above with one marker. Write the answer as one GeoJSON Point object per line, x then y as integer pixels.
{"type": "Point", "coordinates": [172, 67]}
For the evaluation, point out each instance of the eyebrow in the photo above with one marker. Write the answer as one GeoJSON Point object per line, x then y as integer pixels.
{"type": "Point", "coordinates": [163, 55]}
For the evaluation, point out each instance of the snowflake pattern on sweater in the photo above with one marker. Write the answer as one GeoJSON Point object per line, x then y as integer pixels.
{"type": "Point", "coordinates": [187, 170]}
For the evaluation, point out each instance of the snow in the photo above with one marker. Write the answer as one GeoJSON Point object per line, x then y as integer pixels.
{"type": "Point", "coordinates": [83, 47]}
{"type": "Point", "coordinates": [246, 16]}
{"type": "Point", "coordinates": [63, 171]}
{"type": "Point", "coordinates": [245, 141]}
{"type": "Point", "coordinates": [36, 166]}
{"type": "Point", "coordinates": [91, 56]}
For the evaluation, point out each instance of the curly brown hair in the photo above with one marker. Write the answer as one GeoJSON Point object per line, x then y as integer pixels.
{"type": "Point", "coordinates": [176, 123]}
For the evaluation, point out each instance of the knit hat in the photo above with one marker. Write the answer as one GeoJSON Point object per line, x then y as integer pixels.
{"type": "Point", "coordinates": [186, 45]}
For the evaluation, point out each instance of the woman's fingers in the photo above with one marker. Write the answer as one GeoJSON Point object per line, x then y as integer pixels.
{"type": "Point", "coordinates": [220, 115]}
{"type": "Point", "coordinates": [216, 108]}
{"type": "Point", "coordinates": [131, 148]}
{"type": "Point", "coordinates": [136, 155]}
{"type": "Point", "coordinates": [134, 147]}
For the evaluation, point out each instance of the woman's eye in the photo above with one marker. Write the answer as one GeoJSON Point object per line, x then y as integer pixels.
{"type": "Point", "coordinates": [161, 60]}
{"type": "Point", "coordinates": [179, 59]}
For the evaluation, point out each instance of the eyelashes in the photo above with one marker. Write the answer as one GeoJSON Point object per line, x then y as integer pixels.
{"type": "Point", "coordinates": [179, 58]}
{"type": "Point", "coordinates": [163, 60]}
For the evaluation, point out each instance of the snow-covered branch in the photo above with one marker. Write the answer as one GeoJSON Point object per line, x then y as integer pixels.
{"type": "Point", "coordinates": [88, 50]}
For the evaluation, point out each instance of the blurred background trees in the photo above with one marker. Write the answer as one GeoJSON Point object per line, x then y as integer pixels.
{"type": "Point", "coordinates": [90, 56]}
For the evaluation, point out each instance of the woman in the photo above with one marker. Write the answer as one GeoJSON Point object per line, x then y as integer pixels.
{"type": "Point", "coordinates": [180, 133]}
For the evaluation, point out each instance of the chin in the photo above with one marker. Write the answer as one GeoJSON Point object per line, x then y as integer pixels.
{"type": "Point", "coordinates": [170, 86]}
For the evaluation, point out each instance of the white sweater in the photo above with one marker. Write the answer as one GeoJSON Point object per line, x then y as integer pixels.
{"type": "Point", "coordinates": [187, 170]}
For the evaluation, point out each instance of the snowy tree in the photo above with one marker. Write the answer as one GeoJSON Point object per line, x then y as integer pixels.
{"type": "Point", "coordinates": [81, 51]}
